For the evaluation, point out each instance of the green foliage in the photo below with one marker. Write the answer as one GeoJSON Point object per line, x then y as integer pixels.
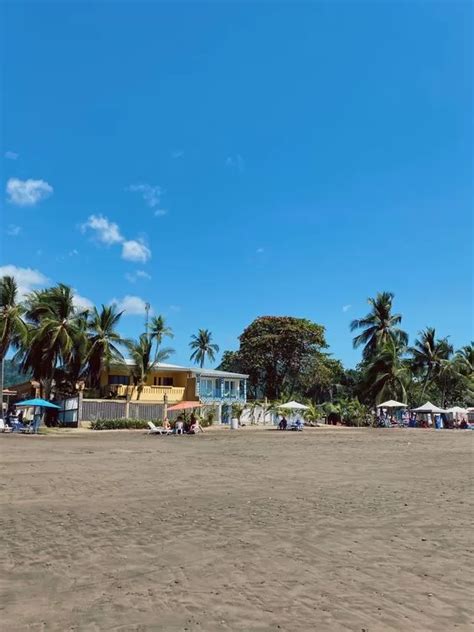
{"type": "Point", "coordinates": [231, 361]}
{"type": "Point", "coordinates": [203, 347]}
{"type": "Point", "coordinates": [103, 341]}
{"type": "Point", "coordinates": [13, 374]}
{"type": "Point", "coordinates": [351, 412]}
{"type": "Point", "coordinates": [274, 348]}
{"type": "Point", "coordinates": [379, 326]}
{"type": "Point", "coordinates": [119, 424]}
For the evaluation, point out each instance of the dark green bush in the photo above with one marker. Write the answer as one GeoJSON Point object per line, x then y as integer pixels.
{"type": "Point", "coordinates": [119, 424]}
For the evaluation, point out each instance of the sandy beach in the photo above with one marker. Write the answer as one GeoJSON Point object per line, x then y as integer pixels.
{"type": "Point", "coordinates": [251, 530]}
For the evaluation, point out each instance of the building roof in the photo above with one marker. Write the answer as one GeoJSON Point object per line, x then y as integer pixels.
{"type": "Point", "coordinates": [164, 366]}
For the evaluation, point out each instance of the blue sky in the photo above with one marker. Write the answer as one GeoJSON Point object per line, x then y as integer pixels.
{"type": "Point", "coordinates": [225, 161]}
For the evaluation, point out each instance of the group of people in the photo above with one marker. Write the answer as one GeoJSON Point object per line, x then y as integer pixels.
{"type": "Point", "coordinates": [409, 419]}
{"type": "Point", "coordinates": [183, 425]}
{"type": "Point", "coordinates": [14, 420]}
{"type": "Point", "coordinates": [297, 425]}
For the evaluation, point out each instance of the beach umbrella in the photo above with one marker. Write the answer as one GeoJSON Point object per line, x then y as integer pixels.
{"type": "Point", "coordinates": [391, 403]}
{"type": "Point", "coordinates": [428, 408]}
{"type": "Point", "coordinates": [185, 406]}
{"type": "Point", "coordinates": [41, 403]}
{"type": "Point", "coordinates": [293, 406]}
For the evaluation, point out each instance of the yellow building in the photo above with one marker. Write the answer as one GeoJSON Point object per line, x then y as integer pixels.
{"type": "Point", "coordinates": [173, 383]}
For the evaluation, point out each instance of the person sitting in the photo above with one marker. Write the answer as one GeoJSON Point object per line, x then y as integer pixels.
{"type": "Point", "coordinates": [195, 427]}
{"type": "Point", "coordinates": [299, 425]}
{"type": "Point", "coordinates": [166, 424]}
{"type": "Point", "coordinates": [283, 423]}
{"type": "Point", "coordinates": [179, 426]}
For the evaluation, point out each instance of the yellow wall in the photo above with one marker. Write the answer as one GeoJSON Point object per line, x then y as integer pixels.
{"type": "Point", "coordinates": [179, 377]}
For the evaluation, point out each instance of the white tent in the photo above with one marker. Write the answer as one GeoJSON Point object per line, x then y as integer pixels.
{"type": "Point", "coordinates": [456, 409]}
{"type": "Point", "coordinates": [293, 406]}
{"type": "Point", "coordinates": [428, 408]}
{"type": "Point", "coordinates": [391, 403]}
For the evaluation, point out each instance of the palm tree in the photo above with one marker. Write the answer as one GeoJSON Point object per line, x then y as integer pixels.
{"type": "Point", "coordinates": [379, 325]}
{"type": "Point", "coordinates": [465, 359]}
{"type": "Point", "coordinates": [141, 353]}
{"type": "Point", "coordinates": [388, 374]}
{"type": "Point", "coordinates": [12, 326]}
{"type": "Point", "coordinates": [428, 355]}
{"type": "Point", "coordinates": [103, 341]}
{"type": "Point", "coordinates": [157, 331]}
{"type": "Point", "coordinates": [203, 347]}
{"type": "Point", "coordinates": [55, 329]}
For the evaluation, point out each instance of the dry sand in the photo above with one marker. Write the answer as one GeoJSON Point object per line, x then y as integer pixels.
{"type": "Point", "coordinates": [251, 530]}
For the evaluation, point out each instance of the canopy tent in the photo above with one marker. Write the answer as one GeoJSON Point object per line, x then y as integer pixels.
{"type": "Point", "coordinates": [456, 409]}
{"type": "Point", "coordinates": [185, 406]}
{"type": "Point", "coordinates": [391, 403]}
{"type": "Point", "coordinates": [41, 403]}
{"type": "Point", "coordinates": [293, 406]}
{"type": "Point", "coordinates": [428, 408]}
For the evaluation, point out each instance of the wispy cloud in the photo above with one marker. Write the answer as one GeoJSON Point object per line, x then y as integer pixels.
{"type": "Point", "coordinates": [104, 230]}
{"type": "Point", "coordinates": [149, 192]}
{"type": "Point", "coordinates": [131, 305]}
{"type": "Point", "coordinates": [81, 303]}
{"type": "Point", "coordinates": [138, 274]}
{"type": "Point", "coordinates": [135, 250]}
{"type": "Point", "coordinates": [178, 153]}
{"type": "Point", "coordinates": [346, 308]}
{"type": "Point", "coordinates": [27, 279]}
{"type": "Point", "coordinates": [73, 252]}
{"type": "Point", "coordinates": [13, 230]}
{"type": "Point", "coordinates": [109, 233]}
{"type": "Point", "coordinates": [160, 212]}
{"type": "Point", "coordinates": [260, 251]}
{"type": "Point", "coordinates": [27, 192]}
{"type": "Point", "coordinates": [11, 155]}
{"type": "Point", "coordinates": [235, 162]}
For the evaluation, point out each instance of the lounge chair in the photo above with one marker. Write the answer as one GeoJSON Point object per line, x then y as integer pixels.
{"type": "Point", "coordinates": [157, 429]}
{"type": "Point", "coordinates": [4, 427]}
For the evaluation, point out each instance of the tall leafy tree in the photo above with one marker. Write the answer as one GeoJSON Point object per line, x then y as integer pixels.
{"type": "Point", "coordinates": [141, 352]}
{"type": "Point", "coordinates": [428, 355]}
{"type": "Point", "coordinates": [388, 374]}
{"type": "Point", "coordinates": [158, 330]}
{"type": "Point", "coordinates": [378, 326]}
{"type": "Point", "coordinates": [274, 349]}
{"type": "Point", "coordinates": [104, 341]}
{"type": "Point", "coordinates": [203, 347]}
{"type": "Point", "coordinates": [12, 327]}
{"type": "Point", "coordinates": [55, 330]}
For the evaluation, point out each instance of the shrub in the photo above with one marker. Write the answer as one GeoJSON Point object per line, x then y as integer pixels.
{"type": "Point", "coordinates": [119, 424]}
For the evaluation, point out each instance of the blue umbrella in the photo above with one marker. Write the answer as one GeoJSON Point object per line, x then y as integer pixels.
{"type": "Point", "coordinates": [43, 403]}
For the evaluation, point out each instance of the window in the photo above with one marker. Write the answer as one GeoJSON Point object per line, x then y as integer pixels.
{"type": "Point", "coordinates": [229, 387]}
{"type": "Point", "coordinates": [206, 389]}
{"type": "Point", "coordinates": [163, 381]}
{"type": "Point", "coordinates": [119, 379]}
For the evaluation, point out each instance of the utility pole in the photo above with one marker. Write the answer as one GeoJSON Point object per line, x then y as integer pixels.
{"type": "Point", "coordinates": [147, 310]}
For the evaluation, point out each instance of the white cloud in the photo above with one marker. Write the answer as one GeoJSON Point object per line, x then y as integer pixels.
{"type": "Point", "coordinates": [73, 252]}
{"type": "Point", "coordinates": [178, 153]}
{"type": "Point", "coordinates": [81, 303]}
{"type": "Point", "coordinates": [11, 155]}
{"type": "Point", "coordinates": [139, 274]}
{"type": "Point", "coordinates": [135, 250]}
{"type": "Point", "coordinates": [106, 231]}
{"type": "Point", "coordinates": [13, 230]}
{"type": "Point", "coordinates": [260, 250]}
{"type": "Point", "coordinates": [346, 308]}
{"type": "Point", "coordinates": [235, 162]}
{"type": "Point", "coordinates": [131, 305]}
{"type": "Point", "coordinates": [27, 279]}
{"type": "Point", "coordinates": [150, 193]}
{"type": "Point", "coordinates": [27, 192]}
{"type": "Point", "coordinates": [160, 212]}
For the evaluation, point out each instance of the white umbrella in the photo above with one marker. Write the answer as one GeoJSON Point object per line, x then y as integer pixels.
{"type": "Point", "coordinates": [294, 406]}
{"type": "Point", "coordinates": [428, 408]}
{"type": "Point", "coordinates": [391, 403]}
{"type": "Point", "coordinates": [456, 409]}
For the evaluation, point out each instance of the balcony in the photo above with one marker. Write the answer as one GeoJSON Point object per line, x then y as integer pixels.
{"type": "Point", "coordinates": [150, 393]}
{"type": "Point", "coordinates": [214, 395]}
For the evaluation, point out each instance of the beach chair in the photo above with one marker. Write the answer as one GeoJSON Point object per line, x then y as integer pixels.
{"type": "Point", "coordinates": [4, 427]}
{"type": "Point", "coordinates": [152, 429]}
